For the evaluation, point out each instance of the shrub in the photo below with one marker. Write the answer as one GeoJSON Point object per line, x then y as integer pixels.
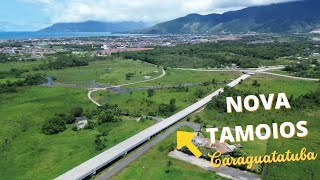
{"type": "Point", "coordinates": [200, 93]}
{"type": "Point", "coordinates": [69, 119]}
{"type": "Point", "coordinates": [255, 83]}
{"type": "Point", "coordinates": [105, 117]}
{"type": "Point", "coordinates": [54, 125]}
{"type": "Point", "coordinates": [99, 144]}
{"type": "Point", "coordinates": [198, 120]}
{"type": "Point", "coordinates": [90, 125]}
{"type": "Point", "coordinates": [167, 109]}
{"type": "Point", "coordinates": [129, 76]}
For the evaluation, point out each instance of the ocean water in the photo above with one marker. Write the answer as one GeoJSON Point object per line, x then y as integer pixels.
{"type": "Point", "coordinates": [34, 35]}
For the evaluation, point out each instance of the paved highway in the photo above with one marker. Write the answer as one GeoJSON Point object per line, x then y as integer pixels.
{"type": "Point", "coordinates": [135, 155]}
{"type": "Point", "coordinates": [291, 77]}
{"type": "Point", "coordinates": [256, 70]}
{"type": "Point", "coordinates": [233, 69]}
{"type": "Point", "coordinates": [92, 165]}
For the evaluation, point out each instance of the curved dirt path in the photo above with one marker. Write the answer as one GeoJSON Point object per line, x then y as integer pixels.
{"type": "Point", "coordinates": [118, 167]}
{"type": "Point", "coordinates": [117, 86]}
{"type": "Point", "coordinates": [255, 70]}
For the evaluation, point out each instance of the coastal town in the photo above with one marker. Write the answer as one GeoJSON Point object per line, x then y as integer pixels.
{"type": "Point", "coordinates": [104, 45]}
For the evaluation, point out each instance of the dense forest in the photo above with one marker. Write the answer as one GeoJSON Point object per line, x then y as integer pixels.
{"type": "Point", "coordinates": [221, 54]}
{"type": "Point", "coordinates": [64, 61]}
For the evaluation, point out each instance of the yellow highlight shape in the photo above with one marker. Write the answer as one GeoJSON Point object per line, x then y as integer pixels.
{"type": "Point", "coordinates": [184, 139]}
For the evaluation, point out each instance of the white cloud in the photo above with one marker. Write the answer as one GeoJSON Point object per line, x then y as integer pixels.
{"type": "Point", "coordinates": [151, 11]}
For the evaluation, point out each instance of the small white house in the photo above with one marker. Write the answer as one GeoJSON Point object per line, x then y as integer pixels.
{"type": "Point", "coordinates": [81, 122]}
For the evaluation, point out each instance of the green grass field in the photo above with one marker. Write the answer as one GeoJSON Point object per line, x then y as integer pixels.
{"type": "Point", "coordinates": [139, 103]}
{"type": "Point", "coordinates": [19, 65]}
{"type": "Point", "coordinates": [112, 72]}
{"type": "Point", "coordinates": [268, 84]}
{"type": "Point", "coordinates": [100, 72]}
{"type": "Point", "coordinates": [301, 169]}
{"type": "Point", "coordinates": [26, 153]}
{"type": "Point", "coordinates": [143, 168]}
{"type": "Point", "coordinates": [153, 165]}
{"type": "Point", "coordinates": [176, 77]}
{"type": "Point", "coordinates": [296, 170]}
{"type": "Point", "coordinates": [3, 81]}
{"type": "Point", "coordinates": [272, 84]}
{"type": "Point", "coordinates": [109, 72]}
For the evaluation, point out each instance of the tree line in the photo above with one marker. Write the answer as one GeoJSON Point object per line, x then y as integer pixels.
{"type": "Point", "coordinates": [305, 69]}
{"type": "Point", "coordinates": [63, 61]}
{"type": "Point", "coordinates": [218, 55]}
{"type": "Point", "coordinates": [29, 80]}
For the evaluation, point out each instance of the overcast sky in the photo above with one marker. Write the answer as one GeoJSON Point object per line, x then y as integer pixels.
{"type": "Point", "coordinates": [26, 15]}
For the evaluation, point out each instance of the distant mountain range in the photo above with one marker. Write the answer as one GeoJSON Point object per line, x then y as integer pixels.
{"type": "Point", "coordinates": [95, 26]}
{"type": "Point", "coordinates": [290, 17]}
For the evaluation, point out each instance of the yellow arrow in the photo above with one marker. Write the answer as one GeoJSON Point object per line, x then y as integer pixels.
{"type": "Point", "coordinates": [184, 139]}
